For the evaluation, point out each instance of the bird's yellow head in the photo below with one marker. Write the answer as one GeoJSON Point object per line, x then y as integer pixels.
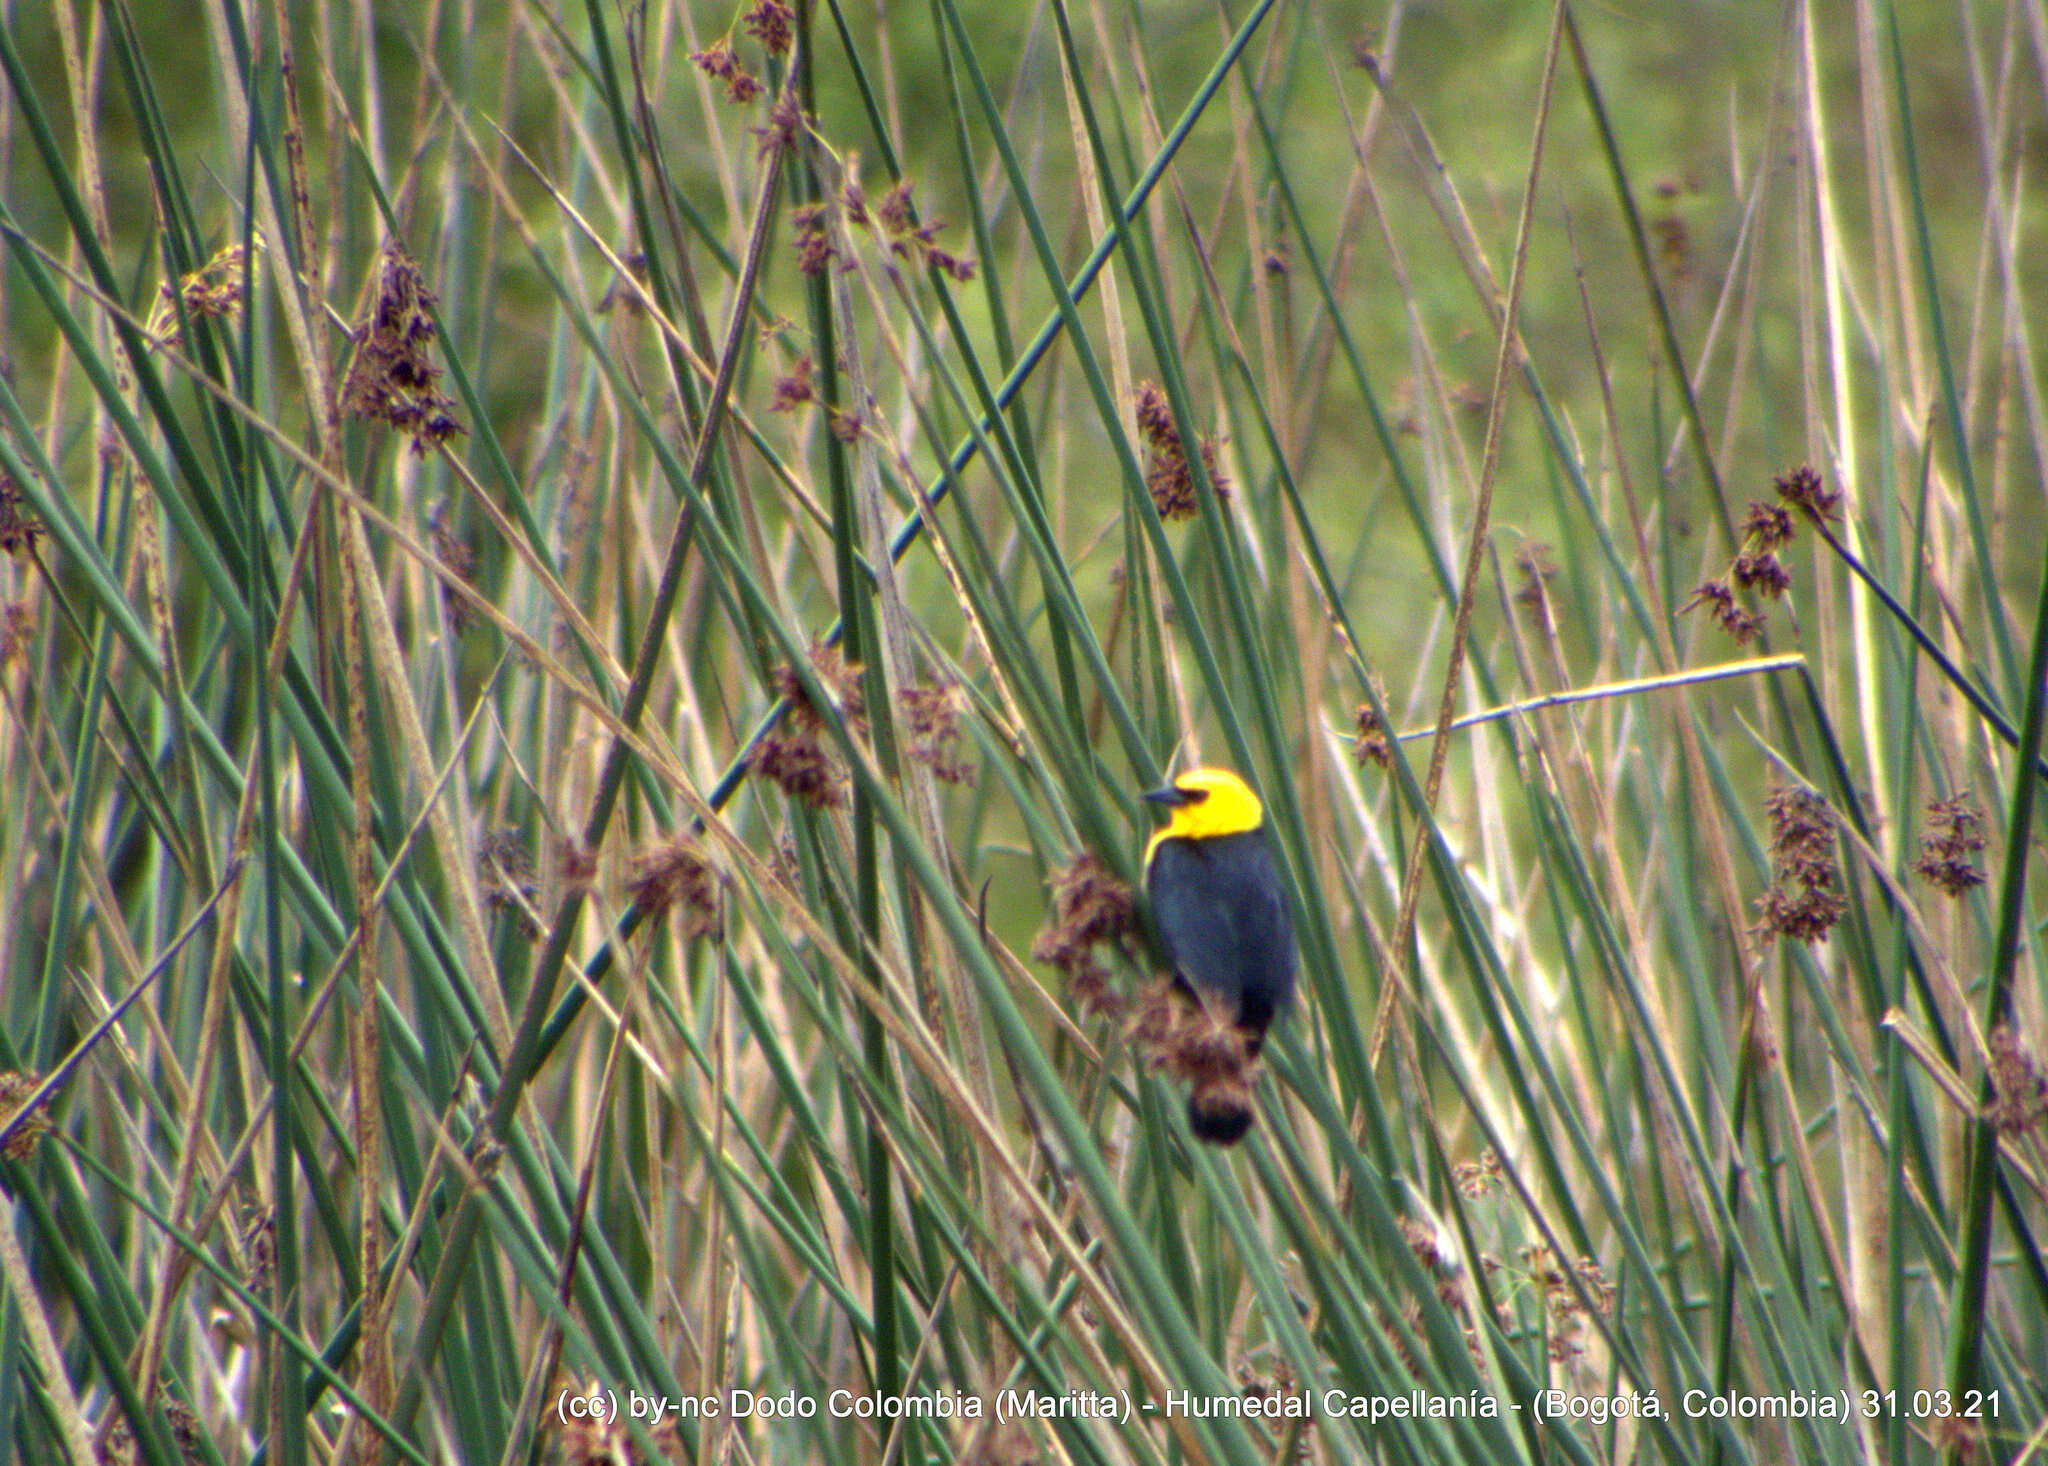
{"type": "Point", "coordinates": [1204, 804]}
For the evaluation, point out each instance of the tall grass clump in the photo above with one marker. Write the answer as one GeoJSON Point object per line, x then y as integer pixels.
{"type": "Point", "coordinates": [589, 591]}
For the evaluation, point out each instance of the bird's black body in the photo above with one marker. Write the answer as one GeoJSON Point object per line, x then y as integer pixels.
{"type": "Point", "coordinates": [1221, 912]}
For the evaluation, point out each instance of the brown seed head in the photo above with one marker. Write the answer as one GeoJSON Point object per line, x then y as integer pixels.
{"type": "Point", "coordinates": [801, 768]}
{"type": "Point", "coordinates": [934, 714]}
{"type": "Point", "coordinates": [1949, 849]}
{"type": "Point", "coordinates": [814, 249]}
{"type": "Point", "coordinates": [1674, 247]}
{"type": "Point", "coordinates": [959, 267]}
{"type": "Point", "coordinates": [1719, 599]}
{"type": "Point", "coordinates": [17, 629]}
{"type": "Point", "coordinates": [785, 125]}
{"type": "Point", "coordinates": [213, 292]}
{"type": "Point", "coordinates": [2019, 1089]}
{"type": "Point", "coordinates": [1803, 490]}
{"type": "Point", "coordinates": [1804, 901]}
{"type": "Point", "coordinates": [1167, 476]}
{"type": "Point", "coordinates": [392, 378]}
{"type": "Point", "coordinates": [794, 756]}
{"type": "Point", "coordinates": [772, 24]}
{"type": "Point", "coordinates": [1761, 572]}
{"type": "Point", "coordinates": [796, 388]}
{"type": "Point", "coordinates": [1475, 1178]}
{"type": "Point", "coordinates": [897, 214]}
{"type": "Point", "coordinates": [1533, 563]}
{"type": "Point", "coordinates": [15, 1088]}
{"type": "Point", "coordinates": [1715, 595]}
{"type": "Point", "coordinates": [577, 863]}
{"type": "Point", "coordinates": [1372, 745]}
{"type": "Point", "coordinates": [674, 876]}
{"type": "Point", "coordinates": [505, 878]}
{"type": "Point", "coordinates": [908, 238]}
{"type": "Point", "coordinates": [19, 529]}
{"type": "Point", "coordinates": [1091, 907]}
{"type": "Point", "coordinates": [854, 200]}
{"type": "Point", "coordinates": [720, 62]}
{"type": "Point", "coordinates": [1767, 527]}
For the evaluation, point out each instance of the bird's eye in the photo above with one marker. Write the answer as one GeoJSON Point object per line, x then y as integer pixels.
{"type": "Point", "coordinates": [1195, 796]}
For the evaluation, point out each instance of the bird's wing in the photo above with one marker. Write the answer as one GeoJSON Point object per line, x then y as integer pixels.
{"type": "Point", "coordinates": [1223, 921]}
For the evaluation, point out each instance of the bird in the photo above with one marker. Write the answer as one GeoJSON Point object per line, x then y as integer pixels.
{"type": "Point", "coordinates": [1219, 908]}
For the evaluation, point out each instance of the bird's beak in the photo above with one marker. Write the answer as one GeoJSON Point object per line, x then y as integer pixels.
{"type": "Point", "coordinates": [1169, 796]}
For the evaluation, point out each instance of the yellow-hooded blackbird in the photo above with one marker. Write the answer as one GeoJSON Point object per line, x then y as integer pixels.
{"type": "Point", "coordinates": [1221, 913]}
